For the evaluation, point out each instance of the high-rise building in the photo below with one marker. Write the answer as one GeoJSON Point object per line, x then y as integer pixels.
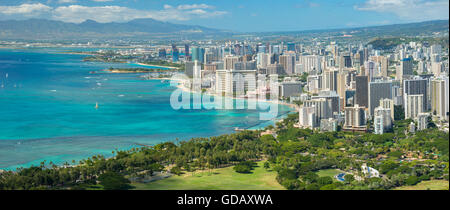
{"type": "Point", "coordinates": [349, 98]}
{"type": "Point", "coordinates": [347, 61]}
{"type": "Point", "coordinates": [355, 118]}
{"type": "Point", "coordinates": [382, 64]}
{"type": "Point", "coordinates": [275, 69]}
{"type": "Point", "coordinates": [440, 97]}
{"type": "Point", "coordinates": [405, 68]}
{"type": "Point", "coordinates": [342, 86]}
{"type": "Point", "coordinates": [198, 54]}
{"type": "Point", "coordinates": [245, 65]}
{"type": "Point", "coordinates": [333, 99]}
{"type": "Point", "coordinates": [422, 67]}
{"type": "Point", "coordinates": [263, 60]}
{"type": "Point", "coordinates": [186, 51]}
{"type": "Point", "coordinates": [397, 94]}
{"type": "Point", "coordinates": [314, 83]}
{"type": "Point", "coordinates": [370, 69]}
{"type": "Point", "coordinates": [382, 120]}
{"type": "Point", "coordinates": [291, 47]}
{"type": "Point", "coordinates": [388, 104]}
{"type": "Point", "coordinates": [197, 70]}
{"type": "Point", "coordinates": [311, 63]}
{"type": "Point", "coordinates": [422, 121]}
{"type": "Point", "coordinates": [229, 62]}
{"type": "Point", "coordinates": [322, 108]}
{"type": "Point", "coordinates": [378, 90]}
{"type": "Point", "coordinates": [437, 68]}
{"type": "Point", "coordinates": [175, 53]}
{"type": "Point", "coordinates": [307, 117]}
{"type": "Point", "coordinates": [362, 91]}
{"type": "Point", "coordinates": [414, 87]}
{"type": "Point", "coordinates": [235, 82]}
{"type": "Point", "coordinates": [162, 53]}
{"type": "Point", "coordinates": [288, 89]}
{"type": "Point", "coordinates": [189, 68]}
{"type": "Point", "coordinates": [288, 63]}
{"type": "Point", "coordinates": [413, 106]}
{"type": "Point", "coordinates": [330, 78]}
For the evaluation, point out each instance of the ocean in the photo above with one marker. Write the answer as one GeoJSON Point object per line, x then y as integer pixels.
{"type": "Point", "coordinates": [47, 110]}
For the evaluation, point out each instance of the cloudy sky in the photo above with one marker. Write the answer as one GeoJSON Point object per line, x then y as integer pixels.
{"type": "Point", "coordinates": [237, 15]}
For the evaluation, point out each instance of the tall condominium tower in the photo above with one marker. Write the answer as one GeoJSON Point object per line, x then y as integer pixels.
{"type": "Point", "coordinates": [330, 78]}
{"type": "Point", "coordinates": [440, 97]}
{"type": "Point", "coordinates": [413, 106]}
{"type": "Point", "coordinates": [405, 68]}
{"type": "Point", "coordinates": [414, 87]}
{"type": "Point", "coordinates": [362, 91]}
{"type": "Point", "coordinates": [378, 90]}
{"type": "Point", "coordinates": [288, 63]}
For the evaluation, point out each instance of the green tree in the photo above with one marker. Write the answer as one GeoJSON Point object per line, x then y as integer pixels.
{"type": "Point", "coordinates": [114, 181]}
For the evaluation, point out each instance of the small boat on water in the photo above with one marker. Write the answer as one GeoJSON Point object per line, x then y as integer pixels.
{"type": "Point", "coordinates": [96, 105]}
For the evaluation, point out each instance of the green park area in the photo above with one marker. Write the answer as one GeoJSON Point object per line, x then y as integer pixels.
{"type": "Point", "coordinates": [217, 179]}
{"type": "Point", "coordinates": [328, 172]}
{"type": "Point", "coordinates": [427, 185]}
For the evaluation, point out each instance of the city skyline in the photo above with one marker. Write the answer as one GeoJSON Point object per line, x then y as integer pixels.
{"type": "Point", "coordinates": [239, 16]}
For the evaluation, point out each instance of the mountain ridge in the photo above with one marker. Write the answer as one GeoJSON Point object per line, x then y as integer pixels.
{"type": "Point", "coordinates": [44, 28]}
{"type": "Point", "coordinates": [35, 29]}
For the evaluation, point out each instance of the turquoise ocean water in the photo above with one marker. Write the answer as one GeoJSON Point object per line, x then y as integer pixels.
{"type": "Point", "coordinates": [47, 110]}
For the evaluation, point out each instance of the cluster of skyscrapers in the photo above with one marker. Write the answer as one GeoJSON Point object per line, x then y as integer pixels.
{"type": "Point", "coordinates": [344, 85]}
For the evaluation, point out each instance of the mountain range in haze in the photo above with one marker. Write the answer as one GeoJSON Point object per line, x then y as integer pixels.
{"type": "Point", "coordinates": [35, 29]}
{"type": "Point", "coordinates": [50, 29]}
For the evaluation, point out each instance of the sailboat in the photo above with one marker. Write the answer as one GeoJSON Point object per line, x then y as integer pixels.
{"type": "Point", "coordinates": [96, 105]}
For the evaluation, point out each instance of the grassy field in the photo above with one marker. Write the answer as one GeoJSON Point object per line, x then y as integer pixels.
{"type": "Point", "coordinates": [219, 179]}
{"type": "Point", "coordinates": [427, 185]}
{"type": "Point", "coordinates": [328, 172]}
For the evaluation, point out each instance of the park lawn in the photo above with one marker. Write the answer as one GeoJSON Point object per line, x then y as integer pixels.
{"type": "Point", "coordinates": [219, 179]}
{"type": "Point", "coordinates": [328, 172]}
{"type": "Point", "coordinates": [427, 185]}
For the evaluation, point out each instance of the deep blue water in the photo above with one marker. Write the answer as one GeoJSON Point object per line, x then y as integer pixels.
{"type": "Point", "coordinates": [47, 110]}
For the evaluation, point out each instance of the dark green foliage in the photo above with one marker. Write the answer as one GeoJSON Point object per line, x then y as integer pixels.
{"type": "Point", "coordinates": [326, 180]}
{"type": "Point", "coordinates": [349, 178]}
{"type": "Point", "coordinates": [412, 180]}
{"type": "Point", "coordinates": [313, 186]}
{"type": "Point", "coordinates": [396, 154]}
{"type": "Point", "coordinates": [245, 167]}
{"type": "Point", "coordinates": [114, 181]}
{"type": "Point", "coordinates": [399, 113]}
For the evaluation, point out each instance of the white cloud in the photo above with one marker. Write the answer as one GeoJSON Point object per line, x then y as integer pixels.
{"type": "Point", "coordinates": [78, 13]}
{"type": "Point", "coordinates": [66, 1]}
{"type": "Point", "coordinates": [194, 6]}
{"type": "Point", "coordinates": [103, 14]}
{"type": "Point", "coordinates": [415, 10]}
{"type": "Point", "coordinates": [25, 9]}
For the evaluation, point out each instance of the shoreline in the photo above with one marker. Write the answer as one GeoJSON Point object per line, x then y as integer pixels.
{"type": "Point", "coordinates": [168, 67]}
{"type": "Point", "coordinates": [277, 102]}
{"type": "Point", "coordinates": [185, 89]}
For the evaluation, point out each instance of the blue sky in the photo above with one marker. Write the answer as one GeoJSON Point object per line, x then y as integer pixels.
{"type": "Point", "coordinates": [237, 15]}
